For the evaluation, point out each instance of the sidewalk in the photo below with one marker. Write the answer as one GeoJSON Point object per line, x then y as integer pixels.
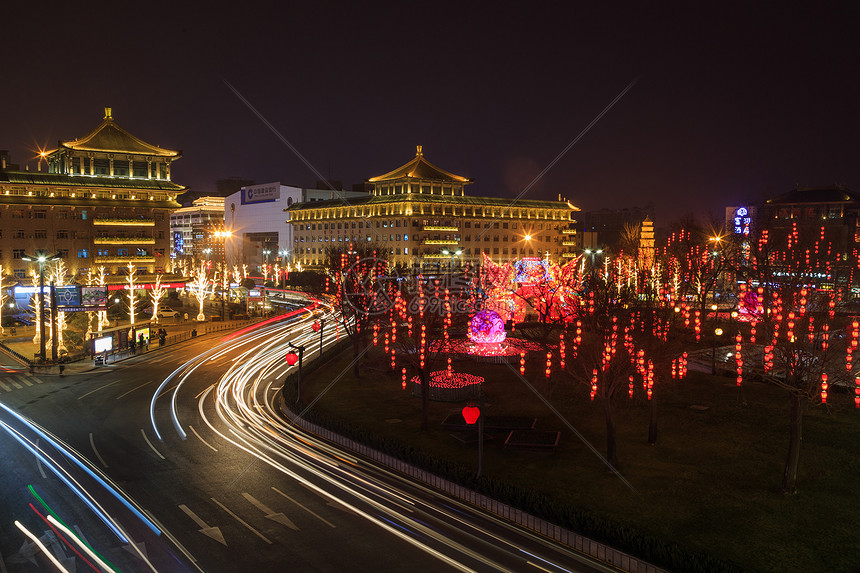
{"type": "Point", "coordinates": [177, 331]}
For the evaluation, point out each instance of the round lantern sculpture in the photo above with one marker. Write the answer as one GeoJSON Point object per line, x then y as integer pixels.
{"type": "Point", "coordinates": [487, 327]}
{"type": "Point", "coordinates": [292, 358]}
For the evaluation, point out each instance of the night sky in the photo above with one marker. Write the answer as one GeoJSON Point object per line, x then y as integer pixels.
{"type": "Point", "coordinates": [731, 103]}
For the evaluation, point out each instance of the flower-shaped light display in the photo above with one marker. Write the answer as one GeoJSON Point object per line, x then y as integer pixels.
{"type": "Point", "coordinates": [487, 328]}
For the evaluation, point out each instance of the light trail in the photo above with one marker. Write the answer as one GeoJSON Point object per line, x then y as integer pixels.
{"type": "Point", "coordinates": [246, 415]}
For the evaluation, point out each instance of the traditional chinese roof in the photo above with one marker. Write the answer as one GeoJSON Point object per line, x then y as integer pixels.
{"type": "Point", "coordinates": [420, 168]}
{"type": "Point", "coordinates": [57, 179]}
{"type": "Point", "coordinates": [438, 199]}
{"type": "Point", "coordinates": [826, 194]}
{"type": "Point", "coordinates": [108, 137]}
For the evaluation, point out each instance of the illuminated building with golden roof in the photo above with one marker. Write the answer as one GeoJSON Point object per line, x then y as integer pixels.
{"type": "Point", "coordinates": [422, 215]}
{"type": "Point", "coordinates": [105, 200]}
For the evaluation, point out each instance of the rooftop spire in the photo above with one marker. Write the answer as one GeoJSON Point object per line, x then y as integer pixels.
{"type": "Point", "coordinates": [419, 150]}
{"type": "Point", "coordinates": [108, 113]}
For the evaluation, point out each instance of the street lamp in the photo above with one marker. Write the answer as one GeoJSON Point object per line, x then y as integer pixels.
{"type": "Point", "coordinates": [225, 285]}
{"type": "Point", "coordinates": [41, 257]}
{"type": "Point", "coordinates": [717, 332]}
{"type": "Point", "coordinates": [593, 253]}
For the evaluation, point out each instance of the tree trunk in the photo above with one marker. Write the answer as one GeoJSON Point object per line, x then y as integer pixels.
{"type": "Point", "coordinates": [652, 424]}
{"type": "Point", "coordinates": [425, 397]}
{"type": "Point", "coordinates": [792, 461]}
{"type": "Point", "coordinates": [611, 434]}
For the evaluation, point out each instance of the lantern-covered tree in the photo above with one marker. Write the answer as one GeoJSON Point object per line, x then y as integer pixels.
{"type": "Point", "coordinates": [361, 288]}
{"type": "Point", "coordinates": [802, 276]}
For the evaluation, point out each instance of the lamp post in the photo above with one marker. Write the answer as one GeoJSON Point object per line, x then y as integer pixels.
{"type": "Point", "coordinates": [284, 255]}
{"type": "Point", "coordinates": [291, 360]}
{"type": "Point", "coordinates": [319, 326]}
{"type": "Point", "coordinates": [41, 257]}
{"type": "Point", "coordinates": [452, 254]}
{"type": "Point", "coordinates": [472, 414]}
{"type": "Point", "coordinates": [717, 332]}
{"type": "Point", "coordinates": [225, 284]}
{"type": "Point", "coordinates": [266, 253]}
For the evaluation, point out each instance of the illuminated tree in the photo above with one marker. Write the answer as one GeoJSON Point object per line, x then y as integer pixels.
{"type": "Point", "coordinates": [36, 305]}
{"type": "Point", "coordinates": [157, 293]}
{"type": "Point", "coordinates": [132, 284]}
{"type": "Point", "coordinates": [802, 276]}
{"type": "Point", "coordinates": [420, 325]}
{"type": "Point", "coordinates": [58, 275]}
{"type": "Point", "coordinates": [200, 288]}
{"type": "Point", "coordinates": [360, 289]}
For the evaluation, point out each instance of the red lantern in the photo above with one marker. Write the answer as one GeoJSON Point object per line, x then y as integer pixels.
{"type": "Point", "coordinates": [471, 413]}
{"type": "Point", "coordinates": [292, 358]}
{"type": "Point", "coordinates": [316, 326]}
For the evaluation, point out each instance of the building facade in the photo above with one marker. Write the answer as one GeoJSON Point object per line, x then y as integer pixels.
{"type": "Point", "coordinates": [192, 229]}
{"type": "Point", "coordinates": [255, 216]}
{"type": "Point", "coordinates": [422, 216]}
{"type": "Point", "coordinates": [105, 200]}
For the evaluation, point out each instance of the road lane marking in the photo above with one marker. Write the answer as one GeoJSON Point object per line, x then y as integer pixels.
{"type": "Point", "coordinates": [303, 507]}
{"type": "Point", "coordinates": [201, 439]}
{"type": "Point", "coordinates": [39, 462]}
{"type": "Point", "coordinates": [5, 387]}
{"type": "Point", "coordinates": [142, 433]}
{"type": "Point", "coordinates": [99, 388]}
{"type": "Point", "coordinates": [212, 532]}
{"type": "Point", "coordinates": [15, 384]}
{"type": "Point", "coordinates": [240, 520]}
{"type": "Point", "coordinates": [270, 514]}
{"type": "Point", "coordinates": [23, 380]}
{"type": "Point", "coordinates": [133, 389]}
{"type": "Point", "coordinates": [98, 455]}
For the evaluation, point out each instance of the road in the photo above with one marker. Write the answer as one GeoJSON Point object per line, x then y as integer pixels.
{"type": "Point", "coordinates": [192, 434]}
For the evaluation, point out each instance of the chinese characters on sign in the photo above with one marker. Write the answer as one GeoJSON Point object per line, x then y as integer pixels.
{"type": "Point", "coordinates": [742, 221]}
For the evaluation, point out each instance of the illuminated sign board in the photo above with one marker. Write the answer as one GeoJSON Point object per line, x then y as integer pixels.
{"type": "Point", "coordinates": [178, 242]}
{"type": "Point", "coordinates": [742, 221]}
{"type": "Point", "coordinates": [103, 344]}
{"type": "Point", "coordinates": [67, 296]}
{"type": "Point", "coordinates": [267, 193]}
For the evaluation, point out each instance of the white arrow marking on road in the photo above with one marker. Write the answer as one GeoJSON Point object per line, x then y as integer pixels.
{"type": "Point", "coordinates": [212, 532]}
{"type": "Point", "coordinates": [242, 521]}
{"type": "Point", "coordinates": [303, 507]}
{"type": "Point", "coordinates": [141, 549]}
{"type": "Point", "coordinates": [278, 517]}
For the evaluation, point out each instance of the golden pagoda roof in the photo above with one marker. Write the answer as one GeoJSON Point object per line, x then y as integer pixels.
{"type": "Point", "coordinates": [420, 168]}
{"type": "Point", "coordinates": [108, 137]}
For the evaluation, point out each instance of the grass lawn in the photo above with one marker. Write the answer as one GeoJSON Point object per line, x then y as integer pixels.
{"type": "Point", "coordinates": [710, 484]}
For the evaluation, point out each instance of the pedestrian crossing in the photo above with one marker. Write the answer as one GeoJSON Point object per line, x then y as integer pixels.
{"type": "Point", "coordinates": [10, 382]}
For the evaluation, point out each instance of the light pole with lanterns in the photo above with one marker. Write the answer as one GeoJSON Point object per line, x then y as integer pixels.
{"type": "Point", "coordinates": [319, 326]}
{"type": "Point", "coordinates": [41, 257]}
{"type": "Point", "coordinates": [292, 358]}
{"type": "Point", "coordinates": [472, 414]}
{"type": "Point", "coordinates": [717, 332]}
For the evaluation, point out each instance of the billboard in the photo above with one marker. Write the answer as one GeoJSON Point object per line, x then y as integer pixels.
{"type": "Point", "coordinates": [94, 296]}
{"type": "Point", "coordinates": [67, 296]}
{"type": "Point", "coordinates": [266, 193]}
